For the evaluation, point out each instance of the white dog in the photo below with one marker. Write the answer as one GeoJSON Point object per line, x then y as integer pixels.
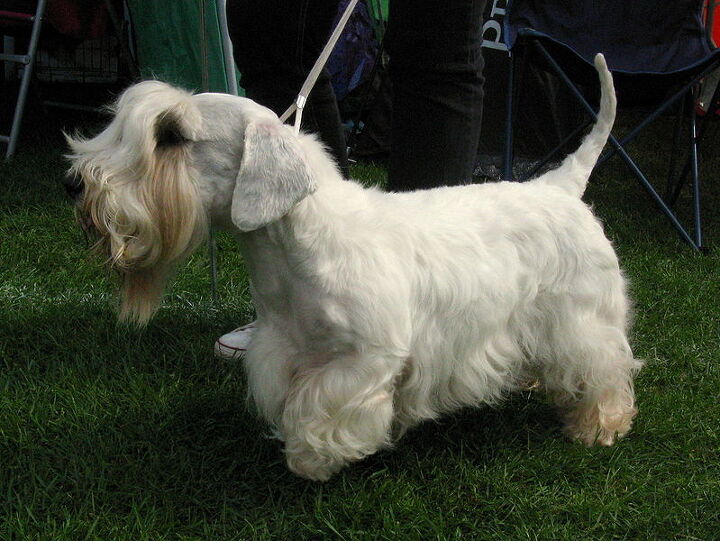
{"type": "Point", "coordinates": [375, 310]}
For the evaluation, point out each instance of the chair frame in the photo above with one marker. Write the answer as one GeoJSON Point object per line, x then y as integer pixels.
{"type": "Point", "coordinates": [28, 60]}
{"type": "Point", "coordinates": [684, 98]}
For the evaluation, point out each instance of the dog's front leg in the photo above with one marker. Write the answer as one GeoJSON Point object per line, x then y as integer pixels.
{"type": "Point", "coordinates": [269, 371]}
{"type": "Point", "coordinates": [338, 412]}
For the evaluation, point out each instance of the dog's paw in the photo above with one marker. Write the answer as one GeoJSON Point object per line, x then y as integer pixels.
{"type": "Point", "coordinates": [599, 425]}
{"type": "Point", "coordinates": [312, 466]}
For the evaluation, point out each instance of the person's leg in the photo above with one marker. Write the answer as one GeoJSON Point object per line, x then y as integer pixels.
{"type": "Point", "coordinates": [436, 71]}
{"type": "Point", "coordinates": [276, 43]}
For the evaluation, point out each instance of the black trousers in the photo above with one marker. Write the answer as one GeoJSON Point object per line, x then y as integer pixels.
{"type": "Point", "coordinates": [435, 67]}
{"type": "Point", "coordinates": [276, 43]}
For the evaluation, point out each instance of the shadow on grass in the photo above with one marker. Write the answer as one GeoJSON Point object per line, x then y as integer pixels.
{"type": "Point", "coordinates": [126, 418]}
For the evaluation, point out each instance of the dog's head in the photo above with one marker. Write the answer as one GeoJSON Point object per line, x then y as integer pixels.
{"type": "Point", "coordinates": [148, 186]}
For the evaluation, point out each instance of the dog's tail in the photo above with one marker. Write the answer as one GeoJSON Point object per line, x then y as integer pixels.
{"type": "Point", "coordinates": [573, 173]}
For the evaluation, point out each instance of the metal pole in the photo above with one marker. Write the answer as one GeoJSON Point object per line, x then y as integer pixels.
{"type": "Point", "coordinates": [25, 82]}
{"type": "Point", "coordinates": [508, 160]}
{"type": "Point", "coordinates": [695, 172]}
{"type": "Point", "coordinates": [230, 74]}
{"type": "Point", "coordinates": [212, 246]}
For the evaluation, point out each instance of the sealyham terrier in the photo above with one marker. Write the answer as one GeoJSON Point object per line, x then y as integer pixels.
{"type": "Point", "coordinates": [375, 311]}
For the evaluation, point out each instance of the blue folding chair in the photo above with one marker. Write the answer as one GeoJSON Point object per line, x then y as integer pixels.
{"type": "Point", "coordinates": [658, 45]}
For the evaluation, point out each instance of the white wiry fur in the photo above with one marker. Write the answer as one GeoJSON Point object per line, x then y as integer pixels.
{"type": "Point", "coordinates": [375, 310]}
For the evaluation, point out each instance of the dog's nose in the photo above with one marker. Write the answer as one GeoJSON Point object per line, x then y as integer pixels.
{"type": "Point", "coordinates": [73, 185]}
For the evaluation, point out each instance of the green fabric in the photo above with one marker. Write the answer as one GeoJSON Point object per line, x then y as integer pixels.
{"type": "Point", "coordinates": [378, 9]}
{"type": "Point", "coordinates": [169, 39]}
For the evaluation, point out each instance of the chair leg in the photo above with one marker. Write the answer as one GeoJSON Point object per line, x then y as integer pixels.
{"type": "Point", "coordinates": [695, 167]}
{"type": "Point", "coordinates": [713, 109]}
{"type": "Point", "coordinates": [673, 182]}
{"type": "Point", "coordinates": [508, 158]}
{"type": "Point", "coordinates": [653, 194]}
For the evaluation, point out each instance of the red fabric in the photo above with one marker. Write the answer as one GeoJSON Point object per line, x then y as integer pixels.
{"type": "Point", "coordinates": [15, 15]}
{"type": "Point", "coordinates": [80, 19]}
{"type": "Point", "coordinates": [715, 34]}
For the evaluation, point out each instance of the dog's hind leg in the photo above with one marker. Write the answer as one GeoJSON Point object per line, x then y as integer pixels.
{"type": "Point", "coordinates": [338, 412]}
{"type": "Point", "coordinates": [592, 381]}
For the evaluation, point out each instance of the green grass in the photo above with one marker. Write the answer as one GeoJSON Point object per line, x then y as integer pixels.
{"type": "Point", "coordinates": [113, 434]}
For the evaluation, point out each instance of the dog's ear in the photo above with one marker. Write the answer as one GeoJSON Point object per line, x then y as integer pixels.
{"type": "Point", "coordinates": [274, 175]}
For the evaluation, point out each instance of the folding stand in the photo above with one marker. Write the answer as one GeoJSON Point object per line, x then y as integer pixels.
{"type": "Point", "coordinates": [28, 60]}
{"type": "Point", "coordinates": [681, 83]}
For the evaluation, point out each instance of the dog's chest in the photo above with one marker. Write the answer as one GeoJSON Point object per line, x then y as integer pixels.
{"type": "Point", "coordinates": [299, 308]}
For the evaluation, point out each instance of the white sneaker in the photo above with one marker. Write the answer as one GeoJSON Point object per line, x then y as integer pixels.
{"type": "Point", "coordinates": [233, 345]}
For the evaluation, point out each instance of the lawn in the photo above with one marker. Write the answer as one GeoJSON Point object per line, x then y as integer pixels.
{"type": "Point", "coordinates": [114, 434]}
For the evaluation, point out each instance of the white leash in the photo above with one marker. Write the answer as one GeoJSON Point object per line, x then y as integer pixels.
{"type": "Point", "coordinates": [309, 83]}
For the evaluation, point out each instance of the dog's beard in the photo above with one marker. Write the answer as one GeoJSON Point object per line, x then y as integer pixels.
{"type": "Point", "coordinates": [140, 293]}
{"type": "Point", "coordinates": [140, 288]}
{"type": "Point", "coordinates": [142, 234]}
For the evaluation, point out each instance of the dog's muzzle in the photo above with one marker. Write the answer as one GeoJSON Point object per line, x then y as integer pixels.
{"type": "Point", "coordinates": [74, 186]}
